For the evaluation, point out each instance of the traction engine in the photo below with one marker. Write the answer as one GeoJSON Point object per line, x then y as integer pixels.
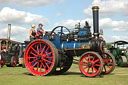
{"type": "Point", "coordinates": [54, 53]}
{"type": "Point", "coordinates": [9, 50]}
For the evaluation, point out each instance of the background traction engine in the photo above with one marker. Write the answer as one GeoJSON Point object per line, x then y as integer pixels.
{"type": "Point", "coordinates": [9, 50]}
{"type": "Point", "coordinates": [120, 52]}
{"type": "Point", "coordinates": [54, 53]}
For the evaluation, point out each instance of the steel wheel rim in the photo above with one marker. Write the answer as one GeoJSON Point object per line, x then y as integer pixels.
{"type": "Point", "coordinates": [108, 63]}
{"type": "Point", "coordinates": [46, 53]}
{"type": "Point", "coordinates": [87, 70]}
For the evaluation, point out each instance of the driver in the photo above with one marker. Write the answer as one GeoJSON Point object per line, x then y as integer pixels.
{"type": "Point", "coordinates": [111, 49]}
{"type": "Point", "coordinates": [40, 31]}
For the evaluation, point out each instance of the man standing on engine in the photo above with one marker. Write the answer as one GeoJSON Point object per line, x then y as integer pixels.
{"type": "Point", "coordinates": [40, 31]}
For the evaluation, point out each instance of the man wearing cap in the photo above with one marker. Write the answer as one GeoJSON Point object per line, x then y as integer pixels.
{"type": "Point", "coordinates": [32, 33]}
{"type": "Point", "coordinates": [40, 31]}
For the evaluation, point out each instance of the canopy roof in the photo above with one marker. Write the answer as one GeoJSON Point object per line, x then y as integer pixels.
{"type": "Point", "coordinates": [121, 42]}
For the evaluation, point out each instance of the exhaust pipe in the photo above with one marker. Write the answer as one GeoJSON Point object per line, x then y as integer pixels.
{"type": "Point", "coordinates": [95, 10]}
{"type": "Point", "coordinates": [9, 31]}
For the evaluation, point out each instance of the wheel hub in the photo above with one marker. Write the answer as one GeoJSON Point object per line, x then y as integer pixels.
{"type": "Point", "coordinates": [89, 64]}
{"type": "Point", "coordinates": [105, 61]}
{"type": "Point", "coordinates": [39, 57]}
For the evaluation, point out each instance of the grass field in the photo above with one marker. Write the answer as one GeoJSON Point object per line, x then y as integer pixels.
{"type": "Point", "coordinates": [21, 76]}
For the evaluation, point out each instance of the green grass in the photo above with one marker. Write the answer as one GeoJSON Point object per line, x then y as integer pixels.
{"type": "Point", "coordinates": [21, 76]}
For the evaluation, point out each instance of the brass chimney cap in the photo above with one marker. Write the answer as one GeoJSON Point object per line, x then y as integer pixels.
{"type": "Point", "coordinates": [95, 8]}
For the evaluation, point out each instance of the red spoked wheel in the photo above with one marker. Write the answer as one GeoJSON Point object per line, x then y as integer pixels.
{"type": "Point", "coordinates": [91, 64]}
{"type": "Point", "coordinates": [41, 57]}
{"type": "Point", "coordinates": [109, 63]}
{"type": "Point", "coordinates": [13, 61]}
{"type": "Point", "coordinates": [2, 62]}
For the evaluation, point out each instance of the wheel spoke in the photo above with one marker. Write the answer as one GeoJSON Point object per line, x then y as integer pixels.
{"type": "Point", "coordinates": [93, 58]}
{"type": "Point", "coordinates": [33, 61]}
{"type": "Point", "coordinates": [47, 49]}
{"type": "Point", "coordinates": [109, 59]}
{"type": "Point", "coordinates": [43, 66]}
{"type": "Point", "coordinates": [92, 71]}
{"type": "Point", "coordinates": [40, 67]}
{"type": "Point", "coordinates": [96, 60]}
{"type": "Point", "coordinates": [89, 57]}
{"type": "Point", "coordinates": [96, 65]}
{"type": "Point", "coordinates": [33, 53]}
{"type": "Point", "coordinates": [34, 49]}
{"type": "Point", "coordinates": [88, 70]}
{"type": "Point", "coordinates": [47, 65]}
{"type": "Point", "coordinates": [37, 66]}
{"type": "Point", "coordinates": [48, 53]}
{"type": "Point", "coordinates": [32, 57]}
{"type": "Point", "coordinates": [85, 67]}
{"type": "Point", "coordinates": [109, 63]}
{"type": "Point", "coordinates": [86, 59]}
{"type": "Point", "coordinates": [43, 49]}
{"type": "Point", "coordinates": [95, 69]}
{"type": "Point", "coordinates": [40, 48]}
{"type": "Point", "coordinates": [48, 57]}
{"type": "Point", "coordinates": [84, 63]}
{"type": "Point", "coordinates": [47, 61]}
{"type": "Point", "coordinates": [108, 66]}
{"type": "Point", "coordinates": [37, 49]}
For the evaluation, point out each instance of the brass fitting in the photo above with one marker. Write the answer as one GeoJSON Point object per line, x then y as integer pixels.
{"type": "Point", "coordinates": [95, 8]}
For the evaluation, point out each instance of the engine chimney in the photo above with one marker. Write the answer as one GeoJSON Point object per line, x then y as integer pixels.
{"type": "Point", "coordinates": [95, 10]}
{"type": "Point", "coordinates": [9, 31]}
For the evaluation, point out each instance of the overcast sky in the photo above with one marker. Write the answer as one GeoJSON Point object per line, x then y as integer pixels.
{"type": "Point", "coordinates": [22, 13]}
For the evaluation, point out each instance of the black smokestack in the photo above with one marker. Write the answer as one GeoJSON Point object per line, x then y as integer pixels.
{"type": "Point", "coordinates": [95, 10]}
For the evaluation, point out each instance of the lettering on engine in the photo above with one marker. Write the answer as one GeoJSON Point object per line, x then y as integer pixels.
{"type": "Point", "coordinates": [85, 46]}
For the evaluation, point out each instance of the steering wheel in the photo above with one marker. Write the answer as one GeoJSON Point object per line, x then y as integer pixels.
{"type": "Point", "coordinates": [61, 31]}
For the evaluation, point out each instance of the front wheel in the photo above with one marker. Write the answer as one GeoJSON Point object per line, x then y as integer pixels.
{"type": "Point", "coordinates": [91, 64]}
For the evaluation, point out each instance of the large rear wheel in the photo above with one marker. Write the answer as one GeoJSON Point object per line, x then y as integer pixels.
{"type": "Point", "coordinates": [41, 57]}
{"type": "Point", "coordinates": [91, 64]}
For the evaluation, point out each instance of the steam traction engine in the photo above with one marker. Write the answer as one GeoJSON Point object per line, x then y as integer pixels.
{"type": "Point", "coordinates": [54, 53]}
{"type": "Point", "coordinates": [9, 50]}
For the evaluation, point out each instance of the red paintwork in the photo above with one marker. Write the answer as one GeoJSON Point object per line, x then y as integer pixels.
{"type": "Point", "coordinates": [101, 47]}
{"type": "Point", "coordinates": [108, 62]}
{"type": "Point", "coordinates": [40, 67]}
{"type": "Point", "coordinates": [14, 62]}
{"type": "Point", "coordinates": [101, 38]}
{"type": "Point", "coordinates": [2, 62]}
{"type": "Point", "coordinates": [95, 62]}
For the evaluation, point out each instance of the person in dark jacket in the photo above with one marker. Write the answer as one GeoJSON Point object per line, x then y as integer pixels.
{"type": "Point", "coordinates": [32, 33]}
